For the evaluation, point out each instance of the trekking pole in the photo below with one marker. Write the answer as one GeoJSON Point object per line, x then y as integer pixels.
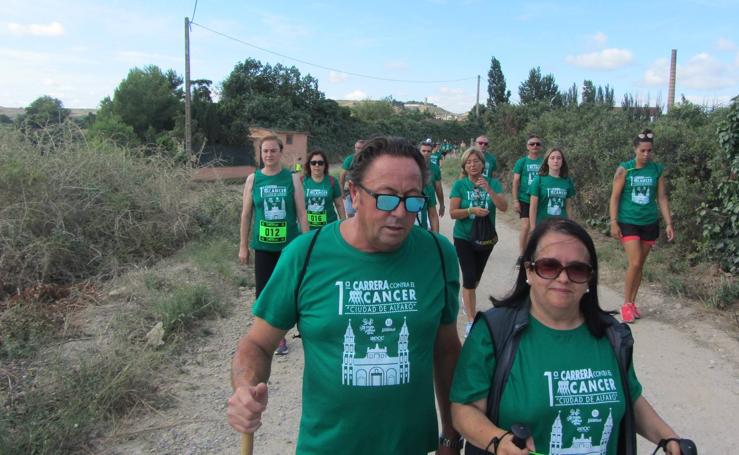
{"type": "Point", "coordinates": [247, 444]}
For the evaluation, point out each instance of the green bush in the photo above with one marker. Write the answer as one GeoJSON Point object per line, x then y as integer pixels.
{"type": "Point", "coordinates": [69, 210]}
{"type": "Point", "coordinates": [185, 306]}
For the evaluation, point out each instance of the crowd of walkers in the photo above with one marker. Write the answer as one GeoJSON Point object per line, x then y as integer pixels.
{"type": "Point", "coordinates": [374, 289]}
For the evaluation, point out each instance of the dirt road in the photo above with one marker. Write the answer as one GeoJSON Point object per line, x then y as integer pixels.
{"type": "Point", "coordinates": [689, 370]}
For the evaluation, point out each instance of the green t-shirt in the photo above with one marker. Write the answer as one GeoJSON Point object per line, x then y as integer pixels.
{"type": "Point", "coordinates": [527, 169]}
{"type": "Point", "coordinates": [347, 163]}
{"type": "Point", "coordinates": [368, 323]}
{"type": "Point", "coordinates": [275, 219]}
{"type": "Point", "coordinates": [491, 164]}
{"type": "Point", "coordinates": [552, 193]}
{"type": "Point", "coordinates": [434, 171]}
{"type": "Point", "coordinates": [471, 196]}
{"type": "Point", "coordinates": [422, 219]}
{"type": "Point", "coordinates": [564, 385]}
{"type": "Point", "coordinates": [436, 157]}
{"type": "Point", "coordinates": [638, 203]}
{"type": "Point", "coordinates": [319, 200]}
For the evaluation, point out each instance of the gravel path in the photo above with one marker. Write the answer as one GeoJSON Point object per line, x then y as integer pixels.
{"type": "Point", "coordinates": [689, 370]}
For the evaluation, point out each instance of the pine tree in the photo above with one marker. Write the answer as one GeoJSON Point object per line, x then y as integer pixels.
{"type": "Point", "coordinates": [497, 93]}
{"type": "Point", "coordinates": [539, 88]}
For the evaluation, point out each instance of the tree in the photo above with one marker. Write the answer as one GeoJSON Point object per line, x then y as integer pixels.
{"type": "Point", "coordinates": [570, 97]}
{"type": "Point", "coordinates": [373, 111]}
{"type": "Point", "coordinates": [497, 93]}
{"type": "Point", "coordinates": [588, 92]}
{"type": "Point", "coordinates": [148, 100]}
{"type": "Point", "coordinates": [538, 88]}
{"type": "Point", "coordinates": [45, 111]}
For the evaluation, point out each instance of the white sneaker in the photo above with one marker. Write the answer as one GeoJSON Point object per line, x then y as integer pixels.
{"type": "Point", "coordinates": [467, 328]}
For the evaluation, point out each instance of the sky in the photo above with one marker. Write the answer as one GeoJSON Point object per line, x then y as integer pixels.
{"type": "Point", "coordinates": [79, 51]}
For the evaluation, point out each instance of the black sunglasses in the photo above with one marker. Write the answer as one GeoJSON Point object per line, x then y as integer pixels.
{"type": "Point", "coordinates": [389, 202]}
{"type": "Point", "coordinates": [535, 144]}
{"type": "Point", "coordinates": [549, 269]}
{"type": "Point", "coordinates": [317, 163]}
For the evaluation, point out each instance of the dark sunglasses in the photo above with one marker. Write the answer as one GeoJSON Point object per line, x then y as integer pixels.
{"type": "Point", "coordinates": [317, 163]}
{"type": "Point", "coordinates": [482, 143]}
{"type": "Point", "coordinates": [645, 135]}
{"type": "Point", "coordinates": [535, 144]}
{"type": "Point", "coordinates": [549, 269]}
{"type": "Point", "coordinates": [389, 202]}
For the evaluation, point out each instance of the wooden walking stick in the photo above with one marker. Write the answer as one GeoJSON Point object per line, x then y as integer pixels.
{"type": "Point", "coordinates": [247, 443]}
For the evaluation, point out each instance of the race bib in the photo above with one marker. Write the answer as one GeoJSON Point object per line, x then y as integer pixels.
{"type": "Point", "coordinates": [272, 231]}
{"type": "Point", "coordinates": [317, 218]}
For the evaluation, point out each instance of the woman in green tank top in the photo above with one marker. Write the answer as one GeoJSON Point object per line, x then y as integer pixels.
{"type": "Point", "coordinates": [275, 196]}
{"type": "Point", "coordinates": [638, 196]}
{"type": "Point", "coordinates": [322, 192]}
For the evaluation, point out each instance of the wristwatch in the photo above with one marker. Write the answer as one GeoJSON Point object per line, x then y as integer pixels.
{"type": "Point", "coordinates": [457, 443]}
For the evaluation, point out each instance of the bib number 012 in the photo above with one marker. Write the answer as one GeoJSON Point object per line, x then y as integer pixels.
{"type": "Point", "coordinates": [272, 231]}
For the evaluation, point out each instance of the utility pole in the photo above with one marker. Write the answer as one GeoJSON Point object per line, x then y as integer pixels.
{"type": "Point", "coordinates": [477, 103]}
{"type": "Point", "coordinates": [188, 117]}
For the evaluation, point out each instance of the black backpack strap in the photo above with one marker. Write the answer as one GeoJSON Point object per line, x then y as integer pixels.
{"type": "Point", "coordinates": [443, 266]}
{"type": "Point", "coordinates": [305, 264]}
{"type": "Point", "coordinates": [622, 342]}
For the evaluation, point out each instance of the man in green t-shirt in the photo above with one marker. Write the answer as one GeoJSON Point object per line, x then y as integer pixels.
{"type": "Point", "coordinates": [346, 165]}
{"type": "Point", "coordinates": [491, 163]}
{"type": "Point", "coordinates": [524, 171]}
{"type": "Point", "coordinates": [376, 308]}
{"type": "Point", "coordinates": [426, 150]}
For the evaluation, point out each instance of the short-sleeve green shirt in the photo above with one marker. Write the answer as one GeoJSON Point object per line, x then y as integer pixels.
{"type": "Point", "coordinates": [347, 163]}
{"type": "Point", "coordinates": [491, 164]}
{"type": "Point", "coordinates": [319, 200]}
{"type": "Point", "coordinates": [472, 196]}
{"type": "Point", "coordinates": [638, 203]}
{"type": "Point", "coordinates": [527, 169]}
{"type": "Point", "coordinates": [564, 384]}
{"type": "Point", "coordinates": [552, 193]}
{"type": "Point", "coordinates": [368, 323]}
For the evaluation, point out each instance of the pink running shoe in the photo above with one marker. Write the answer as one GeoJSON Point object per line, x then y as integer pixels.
{"type": "Point", "coordinates": [637, 314]}
{"type": "Point", "coordinates": [627, 313]}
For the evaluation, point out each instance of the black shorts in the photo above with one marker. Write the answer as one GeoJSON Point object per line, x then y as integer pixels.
{"type": "Point", "coordinates": [645, 233]}
{"type": "Point", "coordinates": [264, 264]}
{"type": "Point", "coordinates": [471, 261]}
{"type": "Point", "coordinates": [524, 209]}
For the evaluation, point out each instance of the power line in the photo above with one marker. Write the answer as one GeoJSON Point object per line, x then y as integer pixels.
{"type": "Point", "coordinates": [366, 76]}
{"type": "Point", "coordinates": [195, 8]}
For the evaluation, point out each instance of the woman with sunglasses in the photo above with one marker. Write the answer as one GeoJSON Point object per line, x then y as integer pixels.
{"type": "Point", "coordinates": [473, 196]}
{"type": "Point", "coordinates": [639, 194]}
{"type": "Point", "coordinates": [552, 190]}
{"type": "Point", "coordinates": [566, 383]}
{"type": "Point", "coordinates": [275, 196]}
{"type": "Point", "coordinates": [322, 192]}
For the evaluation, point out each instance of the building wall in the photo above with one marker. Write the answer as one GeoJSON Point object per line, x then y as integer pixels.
{"type": "Point", "coordinates": [295, 144]}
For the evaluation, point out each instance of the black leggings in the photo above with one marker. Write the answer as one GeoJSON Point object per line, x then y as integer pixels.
{"type": "Point", "coordinates": [264, 265]}
{"type": "Point", "coordinates": [471, 261]}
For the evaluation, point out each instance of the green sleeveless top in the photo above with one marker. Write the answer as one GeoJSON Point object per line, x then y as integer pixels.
{"type": "Point", "coordinates": [319, 200]}
{"type": "Point", "coordinates": [274, 211]}
{"type": "Point", "coordinates": [638, 204]}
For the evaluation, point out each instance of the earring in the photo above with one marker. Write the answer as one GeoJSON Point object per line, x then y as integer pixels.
{"type": "Point", "coordinates": [527, 281]}
{"type": "Point", "coordinates": [587, 290]}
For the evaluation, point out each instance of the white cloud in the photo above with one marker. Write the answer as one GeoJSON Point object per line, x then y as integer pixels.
{"type": "Point", "coordinates": [336, 77]}
{"type": "Point", "coordinates": [453, 99]}
{"type": "Point", "coordinates": [718, 100]}
{"type": "Point", "coordinates": [700, 72]}
{"type": "Point", "coordinates": [725, 44]}
{"type": "Point", "coordinates": [600, 38]}
{"type": "Point", "coordinates": [606, 59]}
{"type": "Point", "coordinates": [52, 29]}
{"type": "Point", "coordinates": [356, 95]}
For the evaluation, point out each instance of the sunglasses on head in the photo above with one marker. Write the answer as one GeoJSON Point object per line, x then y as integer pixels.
{"type": "Point", "coordinates": [389, 202]}
{"type": "Point", "coordinates": [645, 136]}
{"type": "Point", "coordinates": [549, 269]}
{"type": "Point", "coordinates": [482, 143]}
{"type": "Point", "coordinates": [316, 163]}
{"type": "Point", "coordinates": [535, 144]}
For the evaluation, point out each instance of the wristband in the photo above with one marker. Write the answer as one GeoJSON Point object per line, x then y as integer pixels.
{"type": "Point", "coordinates": [469, 211]}
{"type": "Point", "coordinates": [456, 443]}
{"type": "Point", "coordinates": [495, 442]}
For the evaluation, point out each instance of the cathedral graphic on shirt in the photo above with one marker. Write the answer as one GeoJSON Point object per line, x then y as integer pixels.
{"type": "Point", "coordinates": [580, 445]}
{"type": "Point", "coordinates": [376, 368]}
{"type": "Point", "coordinates": [316, 204]}
{"type": "Point", "coordinates": [640, 195]}
{"type": "Point", "coordinates": [274, 208]}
